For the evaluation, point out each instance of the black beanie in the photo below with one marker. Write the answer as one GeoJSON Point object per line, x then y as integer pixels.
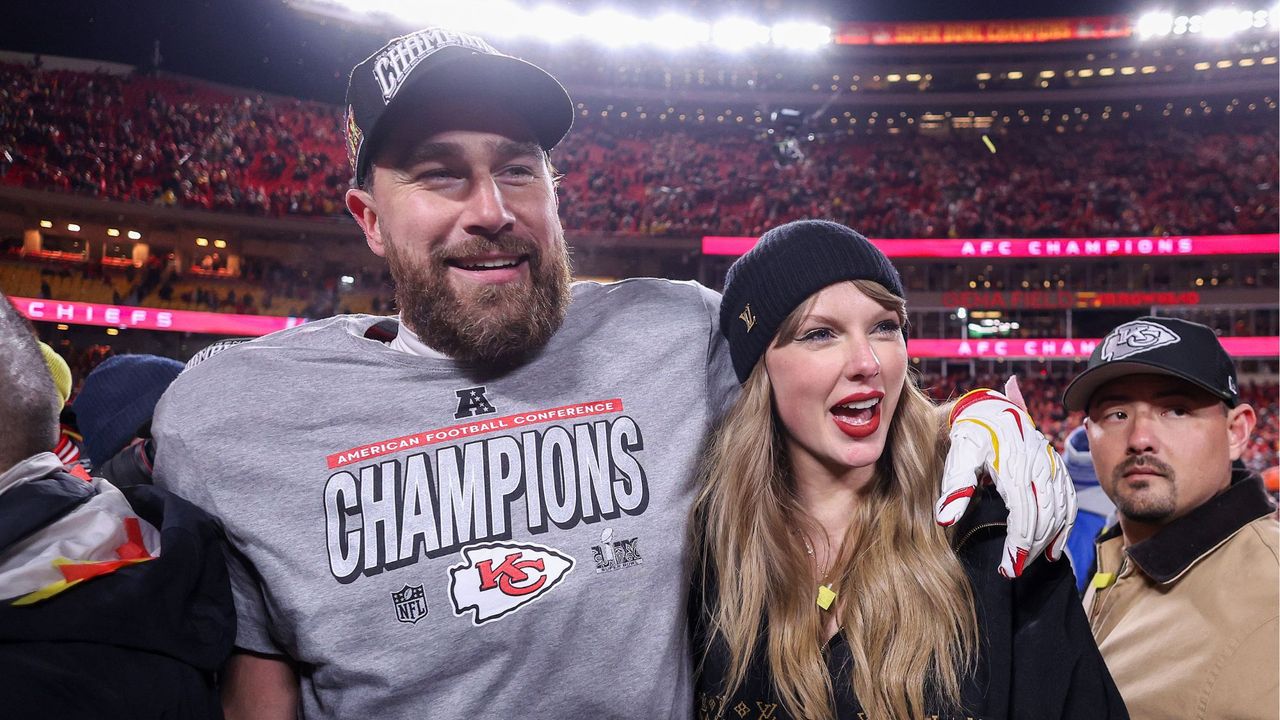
{"type": "Point", "coordinates": [788, 264]}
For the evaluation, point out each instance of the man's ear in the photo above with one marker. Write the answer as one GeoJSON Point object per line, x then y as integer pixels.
{"type": "Point", "coordinates": [362, 207]}
{"type": "Point", "coordinates": [1241, 420]}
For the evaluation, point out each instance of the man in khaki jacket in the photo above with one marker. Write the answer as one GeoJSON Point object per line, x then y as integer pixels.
{"type": "Point", "coordinates": [1185, 601]}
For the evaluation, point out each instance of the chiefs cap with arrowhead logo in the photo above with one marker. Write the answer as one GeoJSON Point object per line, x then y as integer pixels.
{"type": "Point", "coordinates": [1157, 346]}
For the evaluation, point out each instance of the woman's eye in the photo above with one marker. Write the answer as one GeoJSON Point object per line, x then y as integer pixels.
{"type": "Point", "coordinates": [888, 327]}
{"type": "Point", "coordinates": [817, 334]}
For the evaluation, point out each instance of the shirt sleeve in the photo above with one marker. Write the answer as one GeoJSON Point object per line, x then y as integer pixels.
{"type": "Point", "coordinates": [182, 467]}
{"type": "Point", "coordinates": [722, 383]}
{"type": "Point", "coordinates": [1058, 670]}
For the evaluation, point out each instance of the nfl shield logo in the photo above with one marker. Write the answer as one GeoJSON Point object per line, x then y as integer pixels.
{"type": "Point", "coordinates": [411, 604]}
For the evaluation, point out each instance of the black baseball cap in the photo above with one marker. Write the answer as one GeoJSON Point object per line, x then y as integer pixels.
{"type": "Point", "coordinates": [439, 60]}
{"type": "Point", "coordinates": [1157, 346]}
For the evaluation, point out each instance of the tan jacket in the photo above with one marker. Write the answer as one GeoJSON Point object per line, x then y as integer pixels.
{"type": "Point", "coordinates": [1189, 620]}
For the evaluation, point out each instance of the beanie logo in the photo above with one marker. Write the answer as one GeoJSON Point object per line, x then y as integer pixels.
{"type": "Point", "coordinates": [1136, 337]}
{"type": "Point", "coordinates": [747, 317]}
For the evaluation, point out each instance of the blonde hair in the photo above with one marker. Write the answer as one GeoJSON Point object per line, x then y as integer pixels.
{"type": "Point", "coordinates": [906, 609]}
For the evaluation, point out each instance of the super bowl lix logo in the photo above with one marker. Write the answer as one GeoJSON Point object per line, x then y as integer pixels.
{"type": "Point", "coordinates": [498, 578]}
{"type": "Point", "coordinates": [612, 554]}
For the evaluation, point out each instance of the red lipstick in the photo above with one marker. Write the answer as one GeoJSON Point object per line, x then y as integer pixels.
{"type": "Point", "coordinates": [861, 422]}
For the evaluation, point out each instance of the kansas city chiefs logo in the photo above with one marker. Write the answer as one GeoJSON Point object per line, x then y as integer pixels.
{"type": "Point", "coordinates": [498, 578]}
{"type": "Point", "coordinates": [1136, 337]}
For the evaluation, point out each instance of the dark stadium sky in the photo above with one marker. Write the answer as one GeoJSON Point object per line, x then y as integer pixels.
{"type": "Point", "coordinates": [268, 45]}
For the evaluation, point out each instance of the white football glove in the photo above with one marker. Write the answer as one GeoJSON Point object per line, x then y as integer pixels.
{"type": "Point", "coordinates": [993, 438]}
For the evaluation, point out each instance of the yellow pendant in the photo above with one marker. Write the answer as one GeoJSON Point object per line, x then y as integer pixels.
{"type": "Point", "coordinates": [826, 596]}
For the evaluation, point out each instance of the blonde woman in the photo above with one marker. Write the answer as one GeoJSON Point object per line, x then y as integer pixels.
{"type": "Point", "coordinates": [825, 588]}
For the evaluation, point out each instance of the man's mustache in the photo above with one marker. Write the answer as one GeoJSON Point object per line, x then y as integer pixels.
{"type": "Point", "coordinates": [1145, 462]}
{"type": "Point", "coordinates": [506, 243]}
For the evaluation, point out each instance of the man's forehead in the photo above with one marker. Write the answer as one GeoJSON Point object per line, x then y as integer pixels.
{"type": "Point", "coordinates": [1146, 387]}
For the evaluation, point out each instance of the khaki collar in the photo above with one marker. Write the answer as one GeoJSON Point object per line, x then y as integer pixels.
{"type": "Point", "coordinates": [1165, 556]}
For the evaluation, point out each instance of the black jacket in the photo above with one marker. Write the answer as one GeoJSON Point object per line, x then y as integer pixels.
{"type": "Point", "coordinates": [1036, 659]}
{"type": "Point", "coordinates": [141, 642]}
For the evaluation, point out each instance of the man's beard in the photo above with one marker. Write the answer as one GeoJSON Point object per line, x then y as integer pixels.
{"type": "Point", "coordinates": [1155, 503]}
{"type": "Point", "coordinates": [494, 326]}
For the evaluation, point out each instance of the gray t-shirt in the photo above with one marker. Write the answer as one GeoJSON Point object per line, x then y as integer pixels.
{"type": "Point", "coordinates": [426, 541]}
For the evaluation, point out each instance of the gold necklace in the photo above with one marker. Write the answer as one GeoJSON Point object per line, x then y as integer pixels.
{"type": "Point", "coordinates": [826, 596]}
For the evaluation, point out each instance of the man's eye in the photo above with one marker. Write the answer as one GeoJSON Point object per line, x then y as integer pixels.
{"type": "Point", "coordinates": [436, 175]}
{"type": "Point", "coordinates": [520, 172]}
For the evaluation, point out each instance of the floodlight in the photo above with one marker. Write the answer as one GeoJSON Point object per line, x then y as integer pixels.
{"type": "Point", "coordinates": [113, 232]}
{"type": "Point", "coordinates": [46, 223]}
{"type": "Point", "coordinates": [675, 32]}
{"type": "Point", "coordinates": [614, 28]}
{"type": "Point", "coordinates": [497, 18]}
{"type": "Point", "coordinates": [220, 243]}
{"type": "Point", "coordinates": [555, 24]}
{"type": "Point", "coordinates": [73, 227]}
{"type": "Point", "coordinates": [801, 36]}
{"type": "Point", "coordinates": [134, 235]}
{"type": "Point", "coordinates": [1154, 24]}
{"type": "Point", "coordinates": [1222, 22]}
{"type": "Point", "coordinates": [737, 34]}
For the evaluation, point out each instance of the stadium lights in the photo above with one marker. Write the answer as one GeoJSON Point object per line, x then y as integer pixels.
{"type": "Point", "coordinates": [113, 232]}
{"type": "Point", "coordinates": [73, 227]}
{"type": "Point", "coordinates": [220, 244]}
{"type": "Point", "coordinates": [135, 235]}
{"type": "Point", "coordinates": [676, 32]}
{"type": "Point", "coordinates": [800, 36]}
{"type": "Point", "coordinates": [553, 24]}
{"type": "Point", "coordinates": [202, 242]}
{"type": "Point", "coordinates": [738, 34]}
{"type": "Point", "coordinates": [46, 223]}
{"type": "Point", "coordinates": [608, 27]}
{"type": "Point", "coordinates": [1154, 24]}
{"type": "Point", "coordinates": [1215, 23]}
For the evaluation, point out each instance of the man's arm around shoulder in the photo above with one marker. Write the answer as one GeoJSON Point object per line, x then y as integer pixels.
{"type": "Point", "coordinates": [259, 687]}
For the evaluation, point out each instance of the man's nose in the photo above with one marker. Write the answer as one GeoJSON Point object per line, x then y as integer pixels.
{"type": "Point", "coordinates": [1142, 438]}
{"type": "Point", "coordinates": [486, 212]}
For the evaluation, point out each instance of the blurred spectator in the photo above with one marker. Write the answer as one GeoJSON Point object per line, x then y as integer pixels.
{"type": "Point", "coordinates": [69, 440]}
{"type": "Point", "coordinates": [114, 411]}
{"type": "Point", "coordinates": [115, 604]}
{"type": "Point", "coordinates": [1095, 509]}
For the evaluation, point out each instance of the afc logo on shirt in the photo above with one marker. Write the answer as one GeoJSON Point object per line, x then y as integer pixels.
{"type": "Point", "coordinates": [472, 402]}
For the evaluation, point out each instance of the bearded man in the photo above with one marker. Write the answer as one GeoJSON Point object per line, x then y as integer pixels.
{"type": "Point", "coordinates": [479, 508]}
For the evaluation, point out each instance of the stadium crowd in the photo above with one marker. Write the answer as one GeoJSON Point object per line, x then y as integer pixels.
{"type": "Point", "coordinates": [176, 142]}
